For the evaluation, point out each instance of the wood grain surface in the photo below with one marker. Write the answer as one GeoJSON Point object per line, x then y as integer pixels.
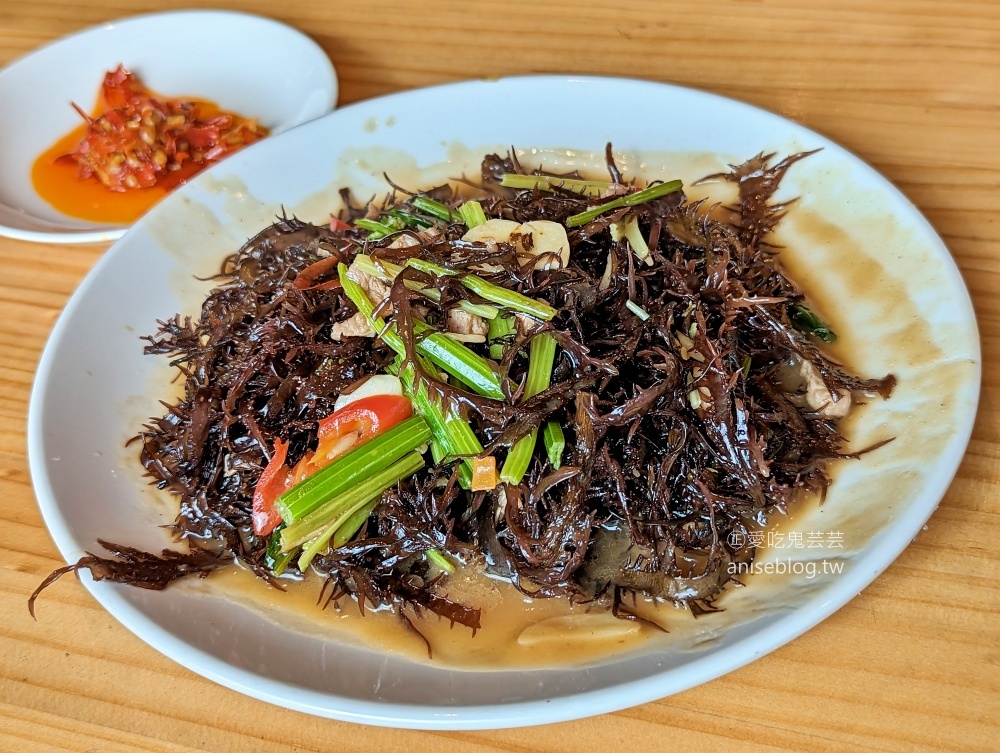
{"type": "Point", "coordinates": [911, 664]}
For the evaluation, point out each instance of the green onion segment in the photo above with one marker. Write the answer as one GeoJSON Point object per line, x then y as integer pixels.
{"type": "Point", "coordinates": [629, 200]}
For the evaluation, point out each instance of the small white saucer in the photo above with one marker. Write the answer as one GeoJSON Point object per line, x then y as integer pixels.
{"type": "Point", "coordinates": [248, 64]}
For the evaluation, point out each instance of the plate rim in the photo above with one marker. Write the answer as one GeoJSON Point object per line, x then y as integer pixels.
{"type": "Point", "coordinates": [533, 712]}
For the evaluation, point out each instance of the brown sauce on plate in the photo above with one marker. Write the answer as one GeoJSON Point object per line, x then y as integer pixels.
{"type": "Point", "coordinates": [516, 631]}
{"type": "Point", "coordinates": [521, 632]}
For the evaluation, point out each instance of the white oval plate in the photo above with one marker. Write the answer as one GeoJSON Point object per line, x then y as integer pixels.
{"type": "Point", "coordinates": [876, 266]}
{"type": "Point", "coordinates": [247, 64]}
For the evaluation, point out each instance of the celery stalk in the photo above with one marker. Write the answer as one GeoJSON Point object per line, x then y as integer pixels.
{"type": "Point", "coordinates": [548, 182]}
{"type": "Point", "coordinates": [387, 271]}
{"type": "Point", "coordinates": [494, 293]}
{"type": "Point", "coordinates": [449, 354]}
{"type": "Point", "coordinates": [518, 459]}
{"type": "Point", "coordinates": [337, 537]}
{"type": "Point", "coordinates": [433, 208]}
{"type": "Point", "coordinates": [629, 200]}
{"type": "Point", "coordinates": [376, 229]}
{"type": "Point", "coordinates": [501, 327]}
{"type": "Point", "coordinates": [353, 524]}
{"type": "Point", "coordinates": [555, 442]}
{"type": "Point", "coordinates": [436, 558]}
{"type": "Point", "coordinates": [336, 511]}
{"type": "Point", "coordinates": [367, 309]}
{"type": "Point", "coordinates": [408, 219]}
{"type": "Point", "coordinates": [274, 558]}
{"type": "Point", "coordinates": [454, 434]}
{"type": "Point", "coordinates": [472, 214]}
{"type": "Point", "coordinates": [437, 452]}
{"type": "Point", "coordinates": [540, 360]}
{"type": "Point", "coordinates": [458, 360]}
{"type": "Point", "coordinates": [352, 468]}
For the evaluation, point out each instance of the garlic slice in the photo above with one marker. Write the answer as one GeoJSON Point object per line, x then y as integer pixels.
{"type": "Point", "coordinates": [378, 384]}
{"type": "Point", "coordinates": [548, 240]}
{"type": "Point", "coordinates": [498, 230]}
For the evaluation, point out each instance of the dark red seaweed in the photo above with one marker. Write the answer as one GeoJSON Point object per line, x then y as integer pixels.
{"type": "Point", "coordinates": [684, 434]}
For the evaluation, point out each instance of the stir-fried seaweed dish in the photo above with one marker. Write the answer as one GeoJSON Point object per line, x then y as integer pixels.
{"type": "Point", "coordinates": [593, 389]}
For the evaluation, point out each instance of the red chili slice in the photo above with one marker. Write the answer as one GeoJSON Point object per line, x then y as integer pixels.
{"type": "Point", "coordinates": [273, 482]}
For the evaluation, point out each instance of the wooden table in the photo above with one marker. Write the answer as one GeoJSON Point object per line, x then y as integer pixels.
{"type": "Point", "coordinates": [913, 663]}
